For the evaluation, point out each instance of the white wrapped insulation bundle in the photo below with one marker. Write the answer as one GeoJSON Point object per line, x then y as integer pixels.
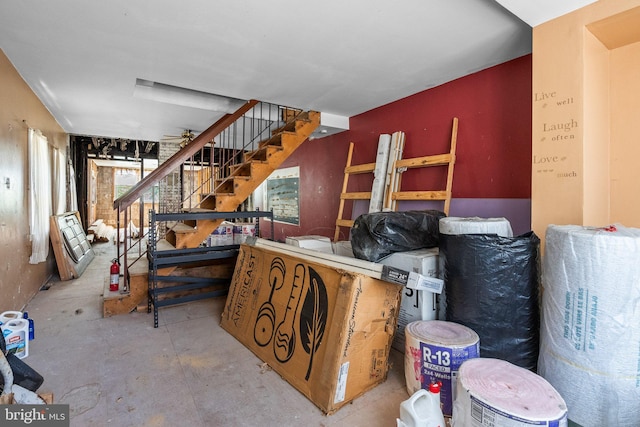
{"type": "Point", "coordinates": [496, 393]}
{"type": "Point", "coordinates": [475, 225]}
{"type": "Point", "coordinates": [590, 327]}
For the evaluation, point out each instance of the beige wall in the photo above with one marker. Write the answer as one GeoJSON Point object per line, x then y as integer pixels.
{"type": "Point", "coordinates": [19, 280]}
{"type": "Point", "coordinates": [584, 102]}
{"type": "Point", "coordinates": [625, 134]}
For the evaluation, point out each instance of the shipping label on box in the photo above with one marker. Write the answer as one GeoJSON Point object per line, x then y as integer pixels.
{"type": "Point", "coordinates": [328, 332]}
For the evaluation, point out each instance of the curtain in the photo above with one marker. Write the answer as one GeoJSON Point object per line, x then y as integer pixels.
{"type": "Point", "coordinates": [39, 196]}
{"type": "Point", "coordinates": [59, 182]}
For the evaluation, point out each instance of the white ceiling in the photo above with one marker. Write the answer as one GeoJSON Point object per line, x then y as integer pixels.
{"type": "Point", "coordinates": [82, 57]}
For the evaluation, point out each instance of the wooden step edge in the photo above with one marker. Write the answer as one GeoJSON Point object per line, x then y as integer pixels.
{"type": "Point", "coordinates": [419, 195]}
{"type": "Point", "coordinates": [221, 181]}
{"type": "Point", "coordinates": [425, 161]}
{"type": "Point", "coordinates": [345, 222]}
{"type": "Point", "coordinates": [363, 168]}
{"type": "Point", "coordinates": [363, 195]}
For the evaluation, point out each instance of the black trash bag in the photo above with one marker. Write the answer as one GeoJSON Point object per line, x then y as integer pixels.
{"type": "Point", "coordinates": [376, 235]}
{"type": "Point", "coordinates": [23, 374]}
{"type": "Point", "coordinates": [491, 286]}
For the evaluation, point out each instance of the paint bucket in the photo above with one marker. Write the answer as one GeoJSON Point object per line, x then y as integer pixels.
{"type": "Point", "coordinates": [9, 315]}
{"type": "Point", "coordinates": [16, 336]}
{"type": "Point", "coordinates": [434, 351]}
{"type": "Point", "coordinates": [498, 393]}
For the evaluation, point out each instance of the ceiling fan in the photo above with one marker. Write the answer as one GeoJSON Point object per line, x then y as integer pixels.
{"type": "Point", "coordinates": [184, 138]}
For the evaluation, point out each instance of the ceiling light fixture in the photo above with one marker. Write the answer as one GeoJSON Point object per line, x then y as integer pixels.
{"type": "Point", "coordinates": [160, 92]}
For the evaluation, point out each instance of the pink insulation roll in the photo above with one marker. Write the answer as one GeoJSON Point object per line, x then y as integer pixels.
{"type": "Point", "coordinates": [434, 351]}
{"type": "Point", "coordinates": [494, 392]}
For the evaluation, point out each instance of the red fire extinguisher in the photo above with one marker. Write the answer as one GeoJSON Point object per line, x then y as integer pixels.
{"type": "Point", "coordinates": [115, 275]}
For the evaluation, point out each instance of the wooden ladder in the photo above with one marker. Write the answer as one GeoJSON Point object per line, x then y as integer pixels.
{"type": "Point", "coordinates": [447, 159]}
{"type": "Point", "coordinates": [397, 167]}
{"type": "Point", "coordinates": [359, 195]}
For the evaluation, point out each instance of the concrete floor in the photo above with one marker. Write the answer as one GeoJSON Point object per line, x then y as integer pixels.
{"type": "Point", "coordinates": [120, 371]}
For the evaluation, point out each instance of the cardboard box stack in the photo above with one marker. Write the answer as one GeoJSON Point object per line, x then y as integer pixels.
{"type": "Point", "coordinates": [229, 233]}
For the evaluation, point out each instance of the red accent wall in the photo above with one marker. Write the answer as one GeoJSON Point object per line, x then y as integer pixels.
{"type": "Point", "coordinates": [493, 152]}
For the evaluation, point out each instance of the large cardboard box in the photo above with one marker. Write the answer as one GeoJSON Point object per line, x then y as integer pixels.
{"type": "Point", "coordinates": [326, 330]}
{"type": "Point", "coordinates": [415, 304]}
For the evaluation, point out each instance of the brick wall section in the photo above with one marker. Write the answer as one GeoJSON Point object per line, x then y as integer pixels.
{"type": "Point", "coordinates": [169, 188]}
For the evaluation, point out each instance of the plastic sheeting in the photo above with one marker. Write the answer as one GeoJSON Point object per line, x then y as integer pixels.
{"type": "Point", "coordinates": [491, 287]}
{"type": "Point", "coordinates": [590, 339]}
{"type": "Point", "coordinates": [376, 235]}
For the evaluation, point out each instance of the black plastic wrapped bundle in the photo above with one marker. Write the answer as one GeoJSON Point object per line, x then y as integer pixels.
{"type": "Point", "coordinates": [491, 286]}
{"type": "Point", "coordinates": [376, 235]}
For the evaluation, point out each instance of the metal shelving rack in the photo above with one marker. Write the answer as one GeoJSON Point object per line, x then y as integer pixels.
{"type": "Point", "coordinates": [159, 258]}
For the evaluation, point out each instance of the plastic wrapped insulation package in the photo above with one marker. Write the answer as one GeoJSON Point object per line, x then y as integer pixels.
{"type": "Point", "coordinates": [492, 287]}
{"type": "Point", "coordinates": [590, 336]}
{"type": "Point", "coordinates": [476, 225]}
{"type": "Point", "coordinates": [494, 392]}
{"type": "Point", "coordinates": [379, 234]}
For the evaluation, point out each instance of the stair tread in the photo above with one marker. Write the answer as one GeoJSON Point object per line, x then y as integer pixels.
{"type": "Point", "coordinates": [164, 245]}
{"type": "Point", "coordinates": [182, 228]}
{"type": "Point", "coordinates": [232, 177]}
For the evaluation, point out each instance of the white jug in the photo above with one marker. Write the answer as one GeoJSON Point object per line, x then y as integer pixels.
{"type": "Point", "coordinates": [422, 409]}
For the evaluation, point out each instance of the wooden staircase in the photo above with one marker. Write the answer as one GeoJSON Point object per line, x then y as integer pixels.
{"type": "Point", "coordinates": [233, 190]}
{"type": "Point", "coordinates": [230, 192]}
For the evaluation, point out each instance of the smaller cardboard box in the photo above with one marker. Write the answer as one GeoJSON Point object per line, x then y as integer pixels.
{"type": "Point", "coordinates": [313, 242]}
{"type": "Point", "coordinates": [326, 330]}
